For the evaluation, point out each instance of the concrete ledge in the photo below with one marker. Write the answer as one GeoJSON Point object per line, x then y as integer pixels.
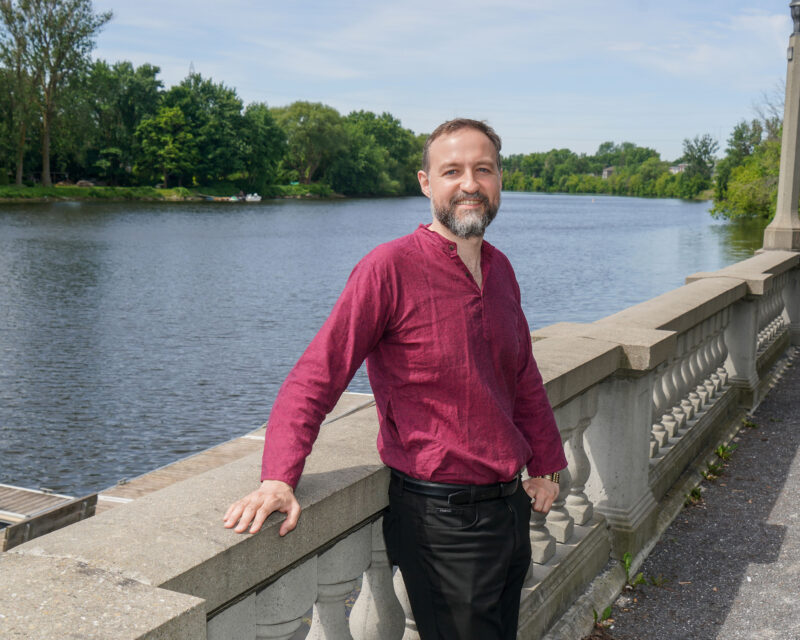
{"type": "Point", "coordinates": [642, 348]}
{"type": "Point", "coordinates": [757, 272]}
{"type": "Point", "coordinates": [569, 366]}
{"type": "Point", "coordinates": [174, 538]}
{"type": "Point", "coordinates": [46, 598]}
{"type": "Point", "coordinates": [683, 308]}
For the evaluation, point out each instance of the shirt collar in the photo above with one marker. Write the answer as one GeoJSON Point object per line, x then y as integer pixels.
{"type": "Point", "coordinates": [440, 242]}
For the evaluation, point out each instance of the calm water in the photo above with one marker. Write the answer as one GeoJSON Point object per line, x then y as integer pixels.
{"type": "Point", "coordinates": [135, 334]}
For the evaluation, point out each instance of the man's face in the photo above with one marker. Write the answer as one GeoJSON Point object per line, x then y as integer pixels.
{"type": "Point", "coordinates": [463, 182]}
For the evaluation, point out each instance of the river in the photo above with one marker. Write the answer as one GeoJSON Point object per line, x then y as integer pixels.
{"type": "Point", "coordinates": [132, 335]}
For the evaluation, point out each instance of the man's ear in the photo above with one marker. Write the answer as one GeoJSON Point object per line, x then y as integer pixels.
{"type": "Point", "coordinates": [424, 183]}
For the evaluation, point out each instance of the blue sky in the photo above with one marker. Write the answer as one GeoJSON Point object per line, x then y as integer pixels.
{"type": "Point", "coordinates": [544, 73]}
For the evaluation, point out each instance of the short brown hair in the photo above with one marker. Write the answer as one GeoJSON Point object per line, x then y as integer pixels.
{"type": "Point", "coordinates": [451, 126]}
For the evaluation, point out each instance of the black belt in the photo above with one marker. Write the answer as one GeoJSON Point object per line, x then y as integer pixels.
{"type": "Point", "coordinates": [456, 493]}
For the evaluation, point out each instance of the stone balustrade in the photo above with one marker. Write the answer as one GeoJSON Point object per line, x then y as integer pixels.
{"type": "Point", "coordinates": [640, 398]}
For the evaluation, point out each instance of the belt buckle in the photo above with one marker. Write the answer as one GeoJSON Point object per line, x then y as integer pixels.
{"type": "Point", "coordinates": [456, 497]}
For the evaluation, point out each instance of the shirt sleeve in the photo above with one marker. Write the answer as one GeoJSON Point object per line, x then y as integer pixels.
{"type": "Point", "coordinates": [532, 412]}
{"type": "Point", "coordinates": [323, 372]}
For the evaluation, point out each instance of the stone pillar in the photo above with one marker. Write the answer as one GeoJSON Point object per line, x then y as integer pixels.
{"type": "Point", "coordinates": [791, 302]}
{"type": "Point", "coordinates": [618, 447]}
{"type": "Point", "coordinates": [784, 230]}
{"type": "Point", "coordinates": [741, 337]}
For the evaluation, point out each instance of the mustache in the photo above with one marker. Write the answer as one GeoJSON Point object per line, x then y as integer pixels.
{"type": "Point", "coordinates": [469, 196]}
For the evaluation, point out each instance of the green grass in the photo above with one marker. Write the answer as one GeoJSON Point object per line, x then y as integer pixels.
{"type": "Point", "coordinates": [13, 192]}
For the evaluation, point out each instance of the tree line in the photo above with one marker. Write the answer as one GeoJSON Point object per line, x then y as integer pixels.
{"type": "Point", "coordinates": [63, 114]}
{"type": "Point", "coordinates": [617, 169]}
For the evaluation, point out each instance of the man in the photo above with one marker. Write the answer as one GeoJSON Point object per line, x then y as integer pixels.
{"type": "Point", "coordinates": [460, 401]}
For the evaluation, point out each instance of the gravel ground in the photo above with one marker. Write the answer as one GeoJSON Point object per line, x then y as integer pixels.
{"type": "Point", "coordinates": [729, 566]}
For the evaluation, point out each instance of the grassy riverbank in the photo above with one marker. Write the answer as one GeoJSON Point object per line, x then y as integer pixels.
{"type": "Point", "coordinates": [13, 193]}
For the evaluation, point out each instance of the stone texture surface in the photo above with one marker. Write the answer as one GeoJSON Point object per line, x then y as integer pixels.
{"type": "Point", "coordinates": [180, 543]}
{"type": "Point", "coordinates": [681, 309]}
{"type": "Point", "coordinates": [570, 365]}
{"type": "Point", "coordinates": [47, 598]}
{"type": "Point", "coordinates": [642, 348]}
{"type": "Point", "coordinates": [729, 567]}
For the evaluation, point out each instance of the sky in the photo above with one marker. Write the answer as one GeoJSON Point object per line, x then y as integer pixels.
{"type": "Point", "coordinates": [544, 73]}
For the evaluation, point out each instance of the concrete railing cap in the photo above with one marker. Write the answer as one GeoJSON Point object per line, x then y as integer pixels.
{"type": "Point", "coordinates": [642, 348]}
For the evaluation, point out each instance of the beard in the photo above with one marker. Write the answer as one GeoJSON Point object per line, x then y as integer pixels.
{"type": "Point", "coordinates": [470, 224]}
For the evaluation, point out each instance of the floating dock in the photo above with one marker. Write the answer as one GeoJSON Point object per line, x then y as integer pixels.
{"type": "Point", "coordinates": [28, 513]}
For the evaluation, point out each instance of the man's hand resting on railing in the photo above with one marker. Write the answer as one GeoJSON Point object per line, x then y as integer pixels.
{"type": "Point", "coordinates": [271, 496]}
{"type": "Point", "coordinates": [542, 492]}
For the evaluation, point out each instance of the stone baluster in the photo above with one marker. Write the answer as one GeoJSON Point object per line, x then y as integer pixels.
{"type": "Point", "coordinates": [658, 435]}
{"type": "Point", "coordinates": [377, 614]}
{"type": "Point", "coordinates": [543, 544]}
{"type": "Point", "coordinates": [280, 606]}
{"type": "Point", "coordinates": [672, 392]}
{"type": "Point", "coordinates": [706, 358]}
{"type": "Point", "coordinates": [722, 347]}
{"type": "Point", "coordinates": [696, 370]}
{"type": "Point", "coordinates": [410, 631]}
{"type": "Point", "coordinates": [714, 352]}
{"type": "Point", "coordinates": [578, 504]}
{"type": "Point", "coordinates": [682, 378]}
{"type": "Point", "coordinates": [559, 522]}
{"type": "Point", "coordinates": [338, 570]}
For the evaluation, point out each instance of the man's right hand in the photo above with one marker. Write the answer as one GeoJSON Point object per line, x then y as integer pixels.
{"type": "Point", "coordinates": [271, 496]}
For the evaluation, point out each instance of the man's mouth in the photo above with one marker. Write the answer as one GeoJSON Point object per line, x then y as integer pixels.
{"type": "Point", "coordinates": [472, 201]}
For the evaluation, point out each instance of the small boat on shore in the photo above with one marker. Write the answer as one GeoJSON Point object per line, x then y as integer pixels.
{"type": "Point", "coordinates": [241, 197]}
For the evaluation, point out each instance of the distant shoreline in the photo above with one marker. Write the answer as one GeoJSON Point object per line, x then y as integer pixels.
{"type": "Point", "coordinates": [12, 194]}
{"type": "Point", "coordinates": [38, 194]}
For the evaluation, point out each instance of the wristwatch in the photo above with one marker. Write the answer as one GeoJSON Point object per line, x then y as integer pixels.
{"type": "Point", "coordinates": [552, 477]}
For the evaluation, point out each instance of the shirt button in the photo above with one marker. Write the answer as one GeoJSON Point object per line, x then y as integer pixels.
{"type": "Point", "coordinates": [452, 246]}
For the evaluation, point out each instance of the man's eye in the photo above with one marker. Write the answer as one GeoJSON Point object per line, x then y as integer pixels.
{"type": "Point", "coordinates": [450, 172]}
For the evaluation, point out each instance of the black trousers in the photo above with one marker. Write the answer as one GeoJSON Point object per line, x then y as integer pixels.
{"type": "Point", "coordinates": [463, 565]}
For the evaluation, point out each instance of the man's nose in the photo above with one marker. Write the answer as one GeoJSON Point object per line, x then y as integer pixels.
{"type": "Point", "coordinates": [468, 182]}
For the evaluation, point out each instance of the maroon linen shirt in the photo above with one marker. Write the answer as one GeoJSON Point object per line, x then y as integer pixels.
{"type": "Point", "coordinates": [458, 393]}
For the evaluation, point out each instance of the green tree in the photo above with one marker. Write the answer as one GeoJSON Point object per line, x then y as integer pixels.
{"type": "Point", "coordinates": [315, 135]}
{"type": "Point", "coordinates": [698, 153]}
{"type": "Point", "coordinates": [121, 97]}
{"type": "Point", "coordinates": [752, 189]}
{"type": "Point", "coordinates": [213, 114]}
{"type": "Point", "coordinates": [360, 166]}
{"type": "Point", "coordinates": [264, 146]}
{"type": "Point", "coordinates": [58, 37]}
{"type": "Point", "coordinates": [402, 148]}
{"type": "Point", "coordinates": [743, 141]}
{"type": "Point", "coordinates": [167, 144]}
{"type": "Point", "coordinates": [18, 84]}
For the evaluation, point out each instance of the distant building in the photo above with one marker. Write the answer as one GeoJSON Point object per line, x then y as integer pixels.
{"type": "Point", "coordinates": [678, 168]}
{"type": "Point", "coordinates": [607, 172]}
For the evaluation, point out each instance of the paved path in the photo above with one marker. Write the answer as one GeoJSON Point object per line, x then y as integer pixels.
{"type": "Point", "coordinates": [729, 567]}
